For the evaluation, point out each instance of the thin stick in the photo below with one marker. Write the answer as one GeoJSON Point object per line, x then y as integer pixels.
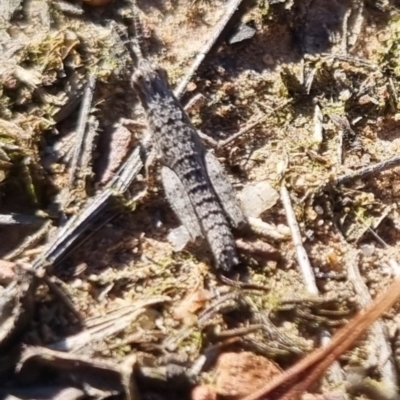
{"type": "Point", "coordinates": [100, 328]}
{"type": "Point", "coordinates": [128, 380]}
{"type": "Point", "coordinates": [297, 379]}
{"type": "Point", "coordinates": [59, 292]}
{"type": "Point", "coordinates": [62, 295]}
{"type": "Point", "coordinates": [29, 241]}
{"type": "Point", "coordinates": [80, 146]}
{"type": "Point", "coordinates": [236, 332]}
{"type": "Point", "coordinates": [345, 129]}
{"type": "Point", "coordinates": [305, 268]}
{"type": "Point", "coordinates": [310, 80]}
{"type": "Point", "coordinates": [348, 58]}
{"type": "Point", "coordinates": [370, 169]}
{"type": "Point", "coordinates": [230, 10]}
{"type": "Point", "coordinates": [318, 128]}
{"type": "Point", "coordinates": [61, 361]}
{"type": "Point", "coordinates": [302, 257]}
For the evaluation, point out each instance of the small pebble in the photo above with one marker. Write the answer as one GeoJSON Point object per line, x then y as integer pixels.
{"type": "Point", "coordinates": [257, 197]}
{"type": "Point", "coordinates": [319, 210]}
{"type": "Point", "coordinates": [243, 32]}
{"type": "Point", "coordinates": [77, 283]}
{"type": "Point", "coordinates": [178, 238]}
{"type": "Point", "coordinates": [367, 250]}
{"type": "Point", "coordinates": [191, 87]}
{"type": "Point", "coordinates": [268, 60]}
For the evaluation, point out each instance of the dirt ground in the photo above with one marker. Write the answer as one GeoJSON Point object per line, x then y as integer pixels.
{"type": "Point", "coordinates": [323, 75]}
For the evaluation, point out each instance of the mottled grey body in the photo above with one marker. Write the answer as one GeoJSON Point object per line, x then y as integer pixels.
{"type": "Point", "coordinates": [182, 152]}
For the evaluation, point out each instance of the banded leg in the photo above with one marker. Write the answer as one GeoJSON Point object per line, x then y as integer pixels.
{"type": "Point", "coordinates": [180, 203]}
{"type": "Point", "coordinates": [224, 191]}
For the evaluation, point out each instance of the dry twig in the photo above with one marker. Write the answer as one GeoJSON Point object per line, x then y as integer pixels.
{"type": "Point", "coordinates": [302, 257]}
{"type": "Point", "coordinates": [368, 170]}
{"type": "Point", "coordinates": [84, 137]}
{"type": "Point", "coordinates": [305, 267]}
{"type": "Point", "coordinates": [104, 327]}
{"type": "Point", "coordinates": [227, 15]}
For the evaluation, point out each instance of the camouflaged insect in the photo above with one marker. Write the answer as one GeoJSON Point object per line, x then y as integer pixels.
{"type": "Point", "coordinates": [195, 183]}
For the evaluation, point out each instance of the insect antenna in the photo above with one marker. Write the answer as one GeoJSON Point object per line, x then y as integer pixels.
{"type": "Point", "coordinates": [136, 46]}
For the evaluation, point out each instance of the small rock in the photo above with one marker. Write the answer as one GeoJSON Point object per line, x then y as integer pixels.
{"type": "Point", "coordinates": [191, 87]}
{"type": "Point", "coordinates": [367, 250]}
{"type": "Point", "coordinates": [178, 238]}
{"type": "Point", "coordinates": [268, 60]}
{"type": "Point", "coordinates": [243, 32]}
{"type": "Point", "coordinates": [239, 374]}
{"type": "Point", "coordinates": [257, 198]}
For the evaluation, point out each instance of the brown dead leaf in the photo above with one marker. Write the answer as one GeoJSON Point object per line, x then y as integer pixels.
{"type": "Point", "coordinates": [192, 302]}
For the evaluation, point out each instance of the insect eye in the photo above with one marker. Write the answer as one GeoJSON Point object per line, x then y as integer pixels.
{"type": "Point", "coordinates": [138, 79]}
{"type": "Point", "coordinates": [162, 73]}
